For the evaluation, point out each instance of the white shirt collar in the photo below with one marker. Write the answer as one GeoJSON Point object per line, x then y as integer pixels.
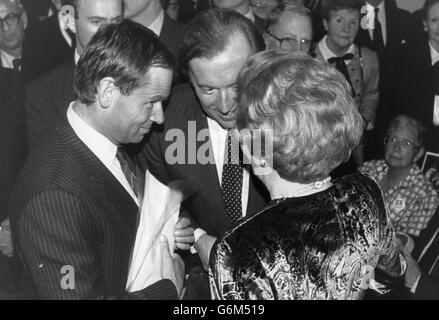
{"type": "Point", "coordinates": [381, 17]}
{"type": "Point", "coordinates": [250, 15]}
{"type": "Point", "coordinates": [157, 24]}
{"type": "Point", "coordinates": [7, 60]}
{"type": "Point", "coordinates": [327, 53]}
{"type": "Point", "coordinates": [77, 56]}
{"type": "Point", "coordinates": [103, 148]}
{"type": "Point", "coordinates": [63, 26]}
{"type": "Point", "coordinates": [434, 54]}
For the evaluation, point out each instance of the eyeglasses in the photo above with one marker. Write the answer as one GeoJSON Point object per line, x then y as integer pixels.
{"type": "Point", "coordinates": [291, 44]}
{"type": "Point", "coordinates": [407, 145]}
{"type": "Point", "coordinates": [11, 20]}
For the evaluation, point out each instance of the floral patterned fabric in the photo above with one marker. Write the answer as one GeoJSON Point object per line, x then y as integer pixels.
{"type": "Point", "coordinates": [321, 246]}
{"type": "Point", "coordinates": [412, 203]}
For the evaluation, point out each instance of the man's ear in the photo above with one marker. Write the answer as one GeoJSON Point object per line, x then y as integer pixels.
{"type": "Point", "coordinates": [107, 92]}
{"type": "Point", "coordinates": [25, 19]}
{"type": "Point", "coordinates": [325, 24]}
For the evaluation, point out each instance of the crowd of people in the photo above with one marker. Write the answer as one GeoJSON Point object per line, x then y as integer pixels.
{"type": "Point", "coordinates": [299, 127]}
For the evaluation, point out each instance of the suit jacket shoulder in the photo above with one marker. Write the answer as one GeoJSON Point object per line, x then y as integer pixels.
{"type": "Point", "coordinates": [172, 34]}
{"type": "Point", "coordinates": [47, 99]}
{"type": "Point", "coordinates": [44, 47]}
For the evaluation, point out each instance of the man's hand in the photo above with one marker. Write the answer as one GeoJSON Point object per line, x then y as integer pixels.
{"type": "Point", "coordinates": [5, 239]}
{"type": "Point", "coordinates": [413, 272]}
{"type": "Point", "coordinates": [172, 268]}
{"type": "Point", "coordinates": [184, 234]}
{"type": "Point", "coordinates": [203, 246]}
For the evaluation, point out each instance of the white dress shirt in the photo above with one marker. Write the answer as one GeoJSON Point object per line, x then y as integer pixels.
{"type": "Point", "coordinates": [381, 18]}
{"type": "Point", "coordinates": [7, 60]}
{"type": "Point", "coordinates": [157, 25]}
{"type": "Point", "coordinates": [435, 58]}
{"type": "Point", "coordinates": [102, 148]}
{"type": "Point", "coordinates": [250, 15]}
{"type": "Point", "coordinates": [327, 53]}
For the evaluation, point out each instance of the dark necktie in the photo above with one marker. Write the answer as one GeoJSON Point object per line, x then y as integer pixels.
{"type": "Point", "coordinates": [340, 65]}
{"type": "Point", "coordinates": [378, 40]}
{"type": "Point", "coordinates": [436, 78]}
{"type": "Point", "coordinates": [128, 169]}
{"type": "Point", "coordinates": [231, 185]}
{"type": "Point", "coordinates": [17, 64]}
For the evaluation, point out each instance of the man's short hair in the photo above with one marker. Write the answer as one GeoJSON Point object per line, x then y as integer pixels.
{"type": "Point", "coordinates": [327, 6]}
{"type": "Point", "coordinates": [209, 33]}
{"type": "Point", "coordinates": [274, 16]}
{"type": "Point", "coordinates": [124, 51]}
{"type": "Point", "coordinates": [308, 105]}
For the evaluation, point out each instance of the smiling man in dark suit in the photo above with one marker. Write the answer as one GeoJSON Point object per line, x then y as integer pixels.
{"type": "Point", "coordinates": [216, 46]}
{"type": "Point", "coordinates": [75, 205]}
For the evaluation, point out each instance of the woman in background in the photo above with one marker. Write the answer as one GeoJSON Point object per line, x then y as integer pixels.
{"type": "Point", "coordinates": [319, 238]}
{"type": "Point", "coordinates": [410, 197]}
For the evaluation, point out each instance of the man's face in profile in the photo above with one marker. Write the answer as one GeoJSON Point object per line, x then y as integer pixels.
{"type": "Point", "coordinates": [132, 115]}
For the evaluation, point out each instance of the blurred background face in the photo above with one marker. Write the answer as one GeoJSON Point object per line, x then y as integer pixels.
{"type": "Point", "coordinates": [91, 14]}
{"type": "Point", "coordinates": [132, 8]}
{"type": "Point", "coordinates": [173, 9]}
{"type": "Point", "coordinates": [402, 147]}
{"type": "Point", "coordinates": [229, 4]}
{"type": "Point", "coordinates": [294, 29]}
{"type": "Point", "coordinates": [13, 26]}
{"type": "Point", "coordinates": [262, 8]}
{"type": "Point", "coordinates": [432, 24]}
{"type": "Point", "coordinates": [215, 80]}
{"type": "Point", "coordinates": [342, 29]}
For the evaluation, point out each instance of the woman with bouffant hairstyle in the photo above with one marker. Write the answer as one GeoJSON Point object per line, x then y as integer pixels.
{"type": "Point", "coordinates": [319, 238]}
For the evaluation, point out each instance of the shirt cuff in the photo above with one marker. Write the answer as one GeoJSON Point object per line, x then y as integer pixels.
{"type": "Point", "coordinates": [415, 286]}
{"type": "Point", "coordinates": [197, 234]}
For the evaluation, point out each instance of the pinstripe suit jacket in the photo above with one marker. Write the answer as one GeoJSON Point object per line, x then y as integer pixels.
{"type": "Point", "coordinates": [207, 208]}
{"type": "Point", "coordinates": [67, 209]}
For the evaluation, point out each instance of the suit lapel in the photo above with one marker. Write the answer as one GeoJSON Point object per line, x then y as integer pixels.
{"type": "Point", "coordinates": [207, 175]}
{"type": "Point", "coordinates": [108, 186]}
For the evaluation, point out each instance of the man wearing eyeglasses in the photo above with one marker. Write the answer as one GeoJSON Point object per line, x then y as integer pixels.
{"type": "Point", "coordinates": [13, 24]}
{"type": "Point", "coordinates": [289, 29]}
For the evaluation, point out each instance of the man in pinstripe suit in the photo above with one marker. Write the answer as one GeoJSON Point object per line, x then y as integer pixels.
{"type": "Point", "coordinates": [74, 209]}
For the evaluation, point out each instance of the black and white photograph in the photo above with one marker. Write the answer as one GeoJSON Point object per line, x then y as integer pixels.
{"type": "Point", "coordinates": [209, 150]}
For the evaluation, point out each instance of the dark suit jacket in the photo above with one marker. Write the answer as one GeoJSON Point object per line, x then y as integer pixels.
{"type": "Point", "coordinates": [44, 48]}
{"type": "Point", "coordinates": [47, 99]}
{"type": "Point", "coordinates": [13, 145]}
{"type": "Point", "coordinates": [398, 28]}
{"type": "Point", "coordinates": [67, 209]}
{"type": "Point", "coordinates": [207, 208]}
{"type": "Point", "coordinates": [172, 34]}
{"type": "Point", "coordinates": [416, 89]}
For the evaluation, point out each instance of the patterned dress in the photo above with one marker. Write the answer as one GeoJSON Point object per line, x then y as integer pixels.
{"type": "Point", "coordinates": [326, 245]}
{"type": "Point", "coordinates": [412, 203]}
